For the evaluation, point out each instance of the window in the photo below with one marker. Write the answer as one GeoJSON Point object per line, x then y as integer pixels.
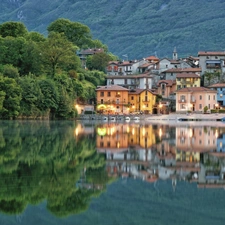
{"type": "Point", "coordinates": [102, 101]}
{"type": "Point", "coordinates": [182, 97]}
{"type": "Point", "coordinates": [109, 94]}
{"type": "Point", "coordinates": [200, 106]}
{"type": "Point", "coordinates": [209, 97]}
{"type": "Point", "coordinates": [183, 106]}
{"type": "Point", "coordinates": [102, 94]}
{"type": "Point", "coordinates": [171, 74]}
{"type": "Point", "coordinates": [132, 97]}
{"type": "Point", "coordinates": [163, 86]}
{"type": "Point", "coordinates": [209, 106]}
{"type": "Point", "coordinates": [200, 97]}
{"type": "Point", "coordinates": [214, 97]}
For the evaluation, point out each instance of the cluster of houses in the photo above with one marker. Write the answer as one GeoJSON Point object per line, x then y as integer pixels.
{"type": "Point", "coordinates": [152, 152]}
{"type": "Point", "coordinates": [152, 85]}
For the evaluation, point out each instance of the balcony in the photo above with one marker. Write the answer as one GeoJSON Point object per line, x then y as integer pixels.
{"type": "Point", "coordinates": [182, 101]}
{"type": "Point", "coordinates": [193, 100]}
{"type": "Point", "coordinates": [145, 100]}
{"type": "Point", "coordinates": [183, 81]}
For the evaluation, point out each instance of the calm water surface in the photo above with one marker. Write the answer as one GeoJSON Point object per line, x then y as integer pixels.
{"type": "Point", "coordinates": [75, 173]}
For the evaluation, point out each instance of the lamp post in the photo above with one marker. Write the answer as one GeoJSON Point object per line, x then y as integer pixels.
{"type": "Point", "coordinates": [217, 107]}
{"type": "Point", "coordinates": [160, 107]}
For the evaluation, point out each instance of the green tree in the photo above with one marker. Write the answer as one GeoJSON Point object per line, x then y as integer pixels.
{"type": "Point", "coordinates": [76, 32]}
{"type": "Point", "coordinates": [98, 61]}
{"type": "Point", "coordinates": [11, 103]}
{"type": "Point", "coordinates": [208, 76]}
{"type": "Point", "coordinates": [13, 29]}
{"type": "Point", "coordinates": [30, 93]}
{"type": "Point", "coordinates": [48, 97]}
{"type": "Point", "coordinates": [10, 71]}
{"type": "Point", "coordinates": [57, 51]}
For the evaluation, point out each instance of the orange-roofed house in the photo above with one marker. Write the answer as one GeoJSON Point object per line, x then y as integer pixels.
{"type": "Point", "coordinates": [171, 74]}
{"type": "Point", "coordinates": [184, 80]}
{"type": "Point", "coordinates": [112, 99]}
{"type": "Point", "coordinates": [166, 88]}
{"type": "Point", "coordinates": [195, 99]}
{"type": "Point", "coordinates": [142, 100]}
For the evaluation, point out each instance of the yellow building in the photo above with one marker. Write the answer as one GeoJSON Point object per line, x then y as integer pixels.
{"type": "Point", "coordinates": [184, 80]}
{"type": "Point", "coordinates": [142, 100]}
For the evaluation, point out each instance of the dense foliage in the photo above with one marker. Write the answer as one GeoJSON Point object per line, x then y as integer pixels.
{"type": "Point", "coordinates": [42, 77]}
{"type": "Point", "coordinates": [43, 161]}
{"type": "Point", "coordinates": [138, 28]}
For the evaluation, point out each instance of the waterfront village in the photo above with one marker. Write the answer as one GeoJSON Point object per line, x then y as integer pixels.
{"type": "Point", "coordinates": [160, 86]}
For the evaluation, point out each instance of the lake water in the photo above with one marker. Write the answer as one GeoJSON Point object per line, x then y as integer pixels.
{"type": "Point", "coordinates": [66, 172]}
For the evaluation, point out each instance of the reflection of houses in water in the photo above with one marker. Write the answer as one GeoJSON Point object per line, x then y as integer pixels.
{"type": "Point", "coordinates": [212, 174]}
{"type": "Point", "coordinates": [82, 129]}
{"type": "Point", "coordinates": [128, 149]}
{"type": "Point", "coordinates": [198, 139]}
{"type": "Point", "coordinates": [220, 143]}
{"type": "Point", "coordinates": [112, 138]}
{"type": "Point", "coordinates": [150, 152]}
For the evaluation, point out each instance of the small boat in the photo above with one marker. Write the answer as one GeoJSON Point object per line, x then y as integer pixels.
{"type": "Point", "coordinates": [136, 119]}
{"type": "Point", "coordinates": [105, 118]}
{"type": "Point", "coordinates": [127, 119]}
{"type": "Point", "coordinates": [113, 119]}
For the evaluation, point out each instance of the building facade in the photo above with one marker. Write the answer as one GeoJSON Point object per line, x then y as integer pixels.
{"type": "Point", "coordinates": [195, 99]}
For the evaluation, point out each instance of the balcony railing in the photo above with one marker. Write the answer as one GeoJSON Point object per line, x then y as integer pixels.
{"type": "Point", "coordinates": [193, 100]}
{"type": "Point", "coordinates": [182, 101]}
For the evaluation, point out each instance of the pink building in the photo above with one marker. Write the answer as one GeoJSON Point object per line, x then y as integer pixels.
{"type": "Point", "coordinates": [195, 99]}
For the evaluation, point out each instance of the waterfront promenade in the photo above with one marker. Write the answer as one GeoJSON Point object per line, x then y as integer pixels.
{"type": "Point", "coordinates": [159, 117]}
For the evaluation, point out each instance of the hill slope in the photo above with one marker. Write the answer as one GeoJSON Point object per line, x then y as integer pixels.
{"type": "Point", "coordinates": [138, 28]}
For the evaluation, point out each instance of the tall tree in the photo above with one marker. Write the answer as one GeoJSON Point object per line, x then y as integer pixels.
{"type": "Point", "coordinates": [11, 102]}
{"type": "Point", "coordinates": [75, 32]}
{"type": "Point", "coordinates": [13, 29]}
{"type": "Point", "coordinates": [57, 52]}
{"type": "Point", "coordinates": [98, 61]}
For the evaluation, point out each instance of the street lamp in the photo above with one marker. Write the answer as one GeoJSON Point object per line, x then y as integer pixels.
{"type": "Point", "coordinates": [217, 107]}
{"type": "Point", "coordinates": [160, 107]}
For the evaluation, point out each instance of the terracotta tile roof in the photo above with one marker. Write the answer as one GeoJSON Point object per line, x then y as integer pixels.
{"type": "Point", "coordinates": [168, 83]}
{"type": "Point", "coordinates": [145, 65]}
{"type": "Point", "coordinates": [128, 76]}
{"type": "Point", "coordinates": [111, 88]}
{"type": "Point", "coordinates": [188, 75]}
{"type": "Point", "coordinates": [150, 58]}
{"type": "Point", "coordinates": [181, 70]}
{"type": "Point", "coordinates": [196, 89]}
{"type": "Point", "coordinates": [217, 85]}
{"type": "Point", "coordinates": [137, 91]}
{"type": "Point", "coordinates": [205, 53]}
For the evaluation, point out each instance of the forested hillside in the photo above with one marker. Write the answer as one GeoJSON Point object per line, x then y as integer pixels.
{"type": "Point", "coordinates": [137, 28]}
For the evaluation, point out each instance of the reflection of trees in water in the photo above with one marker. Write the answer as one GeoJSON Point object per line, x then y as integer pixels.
{"type": "Point", "coordinates": [42, 160]}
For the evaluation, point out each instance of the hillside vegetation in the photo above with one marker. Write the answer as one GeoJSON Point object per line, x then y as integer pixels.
{"type": "Point", "coordinates": [138, 28]}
